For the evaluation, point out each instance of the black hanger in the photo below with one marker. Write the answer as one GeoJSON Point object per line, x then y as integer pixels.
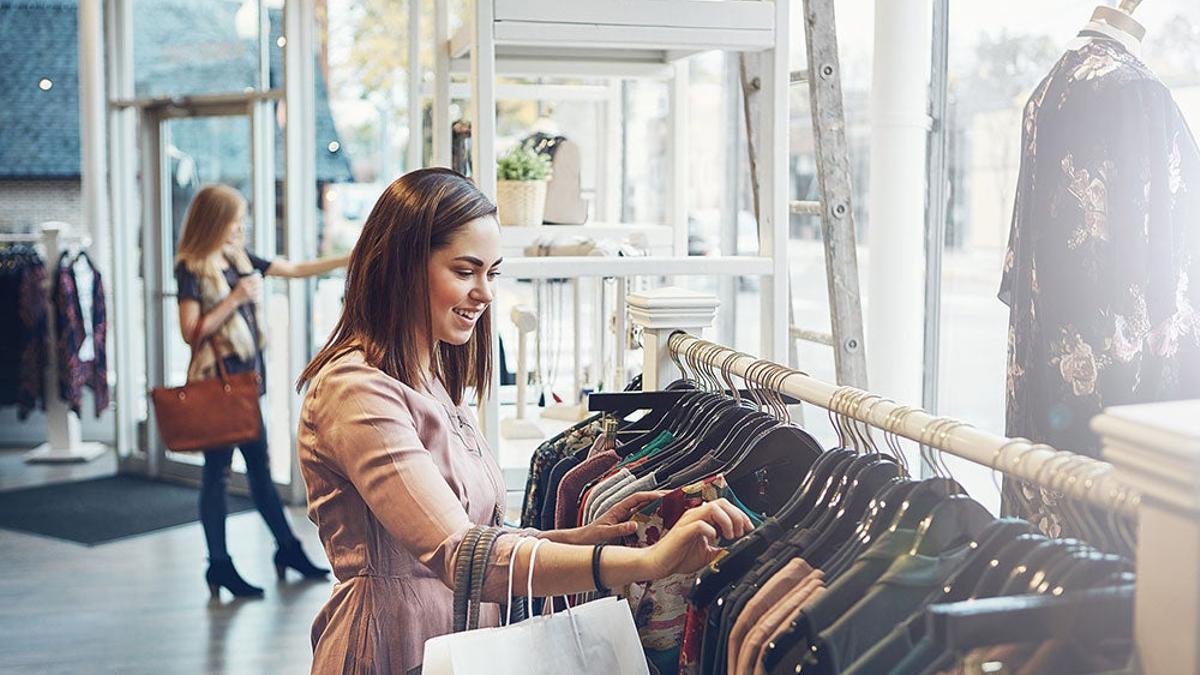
{"type": "Point", "coordinates": [743, 555]}
{"type": "Point", "coordinates": [880, 513]}
{"type": "Point", "coordinates": [959, 587]}
{"type": "Point", "coordinates": [772, 467]}
{"type": "Point", "coordinates": [922, 500]}
{"type": "Point", "coordinates": [852, 509]}
{"type": "Point", "coordinates": [832, 491]}
{"type": "Point", "coordinates": [999, 534]}
{"type": "Point", "coordinates": [721, 421]}
{"type": "Point", "coordinates": [1035, 561]}
{"type": "Point", "coordinates": [1003, 563]}
{"type": "Point", "coordinates": [706, 462]}
{"type": "Point", "coordinates": [955, 522]}
{"type": "Point", "coordinates": [805, 500]}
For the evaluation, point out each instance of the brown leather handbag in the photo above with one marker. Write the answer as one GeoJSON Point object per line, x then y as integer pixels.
{"type": "Point", "coordinates": [209, 414]}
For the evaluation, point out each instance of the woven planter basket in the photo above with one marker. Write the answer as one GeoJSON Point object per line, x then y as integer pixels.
{"type": "Point", "coordinates": [521, 202]}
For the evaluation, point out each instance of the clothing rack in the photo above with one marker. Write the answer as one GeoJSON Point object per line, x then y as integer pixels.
{"type": "Point", "coordinates": [1035, 463]}
{"type": "Point", "coordinates": [64, 435]}
{"type": "Point", "coordinates": [1152, 468]}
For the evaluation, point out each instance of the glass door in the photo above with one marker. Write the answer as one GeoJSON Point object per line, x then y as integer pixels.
{"type": "Point", "coordinates": [192, 146]}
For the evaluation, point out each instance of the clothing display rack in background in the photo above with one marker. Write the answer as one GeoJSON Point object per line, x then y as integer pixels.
{"type": "Point", "coordinates": [64, 436]}
{"type": "Point", "coordinates": [1152, 479]}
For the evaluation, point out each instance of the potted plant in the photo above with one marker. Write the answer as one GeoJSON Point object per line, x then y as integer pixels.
{"type": "Point", "coordinates": [521, 177]}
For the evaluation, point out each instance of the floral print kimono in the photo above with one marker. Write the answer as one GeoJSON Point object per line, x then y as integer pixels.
{"type": "Point", "coordinates": [1102, 271]}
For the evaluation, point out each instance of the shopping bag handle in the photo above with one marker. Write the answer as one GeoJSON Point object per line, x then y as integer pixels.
{"type": "Point", "coordinates": [529, 590]}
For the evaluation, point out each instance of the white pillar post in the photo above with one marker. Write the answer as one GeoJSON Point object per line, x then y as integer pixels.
{"type": "Point", "coordinates": [896, 271]}
{"type": "Point", "coordinates": [1155, 448]}
{"type": "Point", "coordinates": [660, 312]}
{"type": "Point", "coordinates": [416, 137]}
{"type": "Point", "coordinates": [93, 128]}
{"type": "Point", "coordinates": [441, 85]}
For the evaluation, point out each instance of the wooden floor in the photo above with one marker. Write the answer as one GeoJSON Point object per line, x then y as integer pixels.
{"type": "Point", "coordinates": [140, 605]}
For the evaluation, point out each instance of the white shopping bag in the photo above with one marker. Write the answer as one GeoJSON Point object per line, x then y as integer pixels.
{"type": "Point", "coordinates": [597, 637]}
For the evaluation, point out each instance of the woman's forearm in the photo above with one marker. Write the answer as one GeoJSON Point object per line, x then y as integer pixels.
{"type": "Point", "coordinates": [211, 321]}
{"type": "Point", "coordinates": [562, 569]}
{"type": "Point", "coordinates": [306, 268]}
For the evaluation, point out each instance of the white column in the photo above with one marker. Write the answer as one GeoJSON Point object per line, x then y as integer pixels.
{"type": "Point", "coordinates": [899, 125]}
{"type": "Point", "coordinates": [1156, 449]}
{"type": "Point", "coordinates": [774, 211]}
{"type": "Point", "coordinates": [483, 97]}
{"type": "Point", "coordinates": [441, 85]}
{"type": "Point", "coordinates": [300, 185]}
{"type": "Point", "coordinates": [677, 145]}
{"type": "Point", "coordinates": [660, 312]}
{"type": "Point", "coordinates": [123, 200]}
{"type": "Point", "coordinates": [92, 129]}
{"type": "Point", "coordinates": [416, 139]}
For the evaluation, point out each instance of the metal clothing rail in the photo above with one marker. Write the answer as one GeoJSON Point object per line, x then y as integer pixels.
{"type": "Point", "coordinates": [1074, 475]}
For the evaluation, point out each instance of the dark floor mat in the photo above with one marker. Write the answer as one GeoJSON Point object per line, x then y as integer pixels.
{"type": "Point", "coordinates": [103, 509]}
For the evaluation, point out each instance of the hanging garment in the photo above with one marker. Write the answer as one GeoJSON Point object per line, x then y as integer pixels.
{"type": "Point", "coordinates": [81, 327]}
{"type": "Point", "coordinates": [1102, 271]}
{"type": "Point", "coordinates": [23, 315]}
{"type": "Point", "coordinates": [660, 606]}
{"type": "Point", "coordinates": [581, 437]}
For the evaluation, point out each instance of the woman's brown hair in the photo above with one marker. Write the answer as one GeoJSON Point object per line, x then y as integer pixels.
{"type": "Point", "coordinates": [206, 226]}
{"type": "Point", "coordinates": [386, 305]}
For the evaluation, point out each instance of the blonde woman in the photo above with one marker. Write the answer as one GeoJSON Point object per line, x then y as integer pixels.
{"type": "Point", "coordinates": [219, 283]}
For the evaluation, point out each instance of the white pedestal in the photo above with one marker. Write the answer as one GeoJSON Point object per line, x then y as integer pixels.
{"type": "Point", "coordinates": [83, 452]}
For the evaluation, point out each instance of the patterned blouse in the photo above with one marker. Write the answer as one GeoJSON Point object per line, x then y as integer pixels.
{"type": "Point", "coordinates": [1102, 271]}
{"type": "Point", "coordinates": [660, 607]}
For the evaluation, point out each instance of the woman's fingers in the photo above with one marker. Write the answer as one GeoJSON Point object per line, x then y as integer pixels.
{"type": "Point", "coordinates": [721, 518]}
{"type": "Point", "coordinates": [634, 503]}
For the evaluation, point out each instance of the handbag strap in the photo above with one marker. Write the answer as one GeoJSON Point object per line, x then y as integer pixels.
{"type": "Point", "coordinates": [208, 341]}
{"type": "Point", "coordinates": [479, 564]}
{"type": "Point", "coordinates": [462, 576]}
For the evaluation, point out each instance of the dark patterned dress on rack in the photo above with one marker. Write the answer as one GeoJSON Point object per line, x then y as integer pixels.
{"type": "Point", "coordinates": [1102, 271]}
{"type": "Point", "coordinates": [74, 372]}
{"type": "Point", "coordinates": [23, 337]}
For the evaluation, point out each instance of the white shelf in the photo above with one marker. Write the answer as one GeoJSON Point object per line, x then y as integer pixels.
{"type": "Point", "coordinates": [516, 238]}
{"type": "Point", "coordinates": [533, 62]}
{"type": "Point", "coordinates": [573, 267]}
{"type": "Point", "coordinates": [661, 31]}
{"type": "Point", "coordinates": [531, 92]}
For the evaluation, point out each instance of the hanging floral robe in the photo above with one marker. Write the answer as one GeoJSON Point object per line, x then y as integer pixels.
{"type": "Point", "coordinates": [1102, 272]}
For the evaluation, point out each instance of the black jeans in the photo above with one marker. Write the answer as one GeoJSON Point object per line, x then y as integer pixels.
{"type": "Point", "coordinates": [262, 489]}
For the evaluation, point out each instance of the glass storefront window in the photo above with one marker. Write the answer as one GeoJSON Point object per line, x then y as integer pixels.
{"type": "Point", "coordinates": [187, 47]}
{"type": "Point", "coordinates": [998, 54]}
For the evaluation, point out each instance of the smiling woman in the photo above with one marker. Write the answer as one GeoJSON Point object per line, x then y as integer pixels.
{"type": "Point", "coordinates": [397, 472]}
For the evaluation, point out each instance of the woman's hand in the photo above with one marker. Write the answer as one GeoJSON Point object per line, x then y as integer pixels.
{"type": "Point", "coordinates": [247, 289]}
{"type": "Point", "coordinates": [615, 522]}
{"type": "Point", "coordinates": [691, 543]}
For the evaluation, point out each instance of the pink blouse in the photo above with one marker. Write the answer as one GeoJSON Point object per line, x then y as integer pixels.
{"type": "Point", "coordinates": [395, 476]}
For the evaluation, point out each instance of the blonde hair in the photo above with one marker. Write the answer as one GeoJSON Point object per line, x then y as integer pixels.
{"type": "Point", "coordinates": [206, 227]}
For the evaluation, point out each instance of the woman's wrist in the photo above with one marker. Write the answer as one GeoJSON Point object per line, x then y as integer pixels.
{"type": "Point", "coordinates": [622, 565]}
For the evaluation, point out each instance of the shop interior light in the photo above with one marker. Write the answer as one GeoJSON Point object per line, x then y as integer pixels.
{"type": "Point", "coordinates": [334, 146]}
{"type": "Point", "coordinates": [45, 84]}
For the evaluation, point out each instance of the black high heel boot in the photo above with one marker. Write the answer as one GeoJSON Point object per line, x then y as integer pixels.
{"type": "Point", "coordinates": [221, 573]}
{"type": "Point", "coordinates": [291, 555]}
